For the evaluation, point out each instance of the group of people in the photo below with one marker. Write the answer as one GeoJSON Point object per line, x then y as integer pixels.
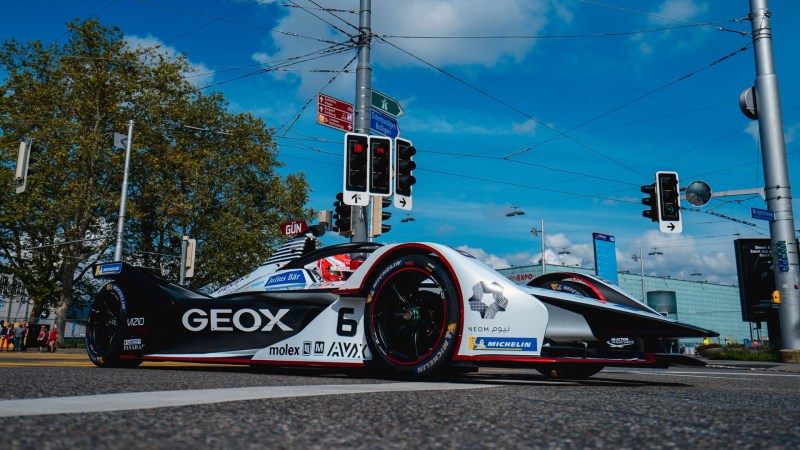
{"type": "Point", "coordinates": [17, 336]}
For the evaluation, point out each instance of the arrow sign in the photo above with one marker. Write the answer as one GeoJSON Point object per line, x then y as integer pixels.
{"type": "Point", "coordinates": [383, 124]}
{"type": "Point", "coordinates": [120, 141]}
{"type": "Point", "coordinates": [402, 202]}
{"type": "Point", "coordinates": [334, 113]}
{"type": "Point", "coordinates": [355, 199]}
{"type": "Point", "coordinates": [386, 104]}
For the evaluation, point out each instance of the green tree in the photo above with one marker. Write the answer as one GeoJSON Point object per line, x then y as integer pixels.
{"type": "Point", "coordinates": [220, 186]}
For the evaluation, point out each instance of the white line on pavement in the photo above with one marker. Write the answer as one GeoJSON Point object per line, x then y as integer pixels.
{"type": "Point", "coordinates": [161, 399]}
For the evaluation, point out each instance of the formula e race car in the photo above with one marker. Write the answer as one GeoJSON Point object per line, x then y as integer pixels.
{"type": "Point", "coordinates": [412, 310]}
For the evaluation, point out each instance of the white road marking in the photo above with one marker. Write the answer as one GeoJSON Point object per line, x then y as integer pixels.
{"type": "Point", "coordinates": [707, 374]}
{"type": "Point", "coordinates": [162, 399]}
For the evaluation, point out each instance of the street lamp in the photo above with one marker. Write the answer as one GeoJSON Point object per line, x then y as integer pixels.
{"type": "Point", "coordinates": [640, 258]}
{"type": "Point", "coordinates": [515, 212]}
{"type": "Point", "coordinates": [407, 219]}
{"type": "Point", "coordinates": [655, 252]}
{"type": "Point", "coordinates": [535, 232]}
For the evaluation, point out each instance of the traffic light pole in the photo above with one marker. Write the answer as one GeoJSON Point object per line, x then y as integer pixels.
{"type": "Point", "coordinates": [776, 181]}
{"type": "Point", "coordinates": [363, 104]}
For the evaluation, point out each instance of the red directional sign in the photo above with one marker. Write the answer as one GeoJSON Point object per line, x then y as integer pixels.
{"type": "Point", "coordinates": [296, 227]}
{"type": "Point", "coordinates": [334, 113]}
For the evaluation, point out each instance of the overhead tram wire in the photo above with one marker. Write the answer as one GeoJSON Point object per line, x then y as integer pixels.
{"type": "Point", "coordinates": [526, 186]}
{"type": "Point", "coordinates": [233, 22]}
{"type": "Point", "coordinates": [513, 108]}
{"type": "Point", "coordinates": [659, 16]}
{"type": "Point", "coordinates": [325, 21]}
{"type": "Point", "coordinates": [568, 36]}
{"type": "Point", "coordinates": [634, 100]}
{"type": "Point", "coordinates": [555, 169]}
{"type": "Point", "coordinates": [286, 128]}
{"type": "Point", "coordinates": [298, 60]}
{"type": "Point", "coordinates": [331, 12]}
{"type": "Point", "coordinates": [349, 11]}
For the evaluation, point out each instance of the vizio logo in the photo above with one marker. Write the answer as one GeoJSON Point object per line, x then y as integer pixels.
{"type": "Point", "coordinates": [135, 321]}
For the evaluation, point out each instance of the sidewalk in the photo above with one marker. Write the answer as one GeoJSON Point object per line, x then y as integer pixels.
{"type": "Point", "coordinates": [751, 365]}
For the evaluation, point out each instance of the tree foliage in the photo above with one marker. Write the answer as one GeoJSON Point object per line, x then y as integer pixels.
{"type": "Point", "coordinates": [196, 169]}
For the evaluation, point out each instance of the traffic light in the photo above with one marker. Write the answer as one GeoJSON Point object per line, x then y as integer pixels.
{"type": "Point", "coordinates": [380, 166]}
{"type": "Point", "coordinates": [342, 217]}
{"type": "Point", "coordinates": [404, 168]}
{"type": "Point", "coordinates": [651, 201]}
{"type": "Point", "coordinates": [356, 162]}
{"type": "Point", "coordinates": [22, 171]}
{"type": "Point", "coordinates": [669, 196]}
{"type": "Point", "coordinates": [379, 215]}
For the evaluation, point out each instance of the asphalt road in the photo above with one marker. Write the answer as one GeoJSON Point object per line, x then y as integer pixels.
{"type": "Point", "coordinates": [54, 401]}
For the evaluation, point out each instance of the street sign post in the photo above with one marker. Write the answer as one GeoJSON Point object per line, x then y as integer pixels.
{"type": "Point", "coordinates": [334, 113]}
{"type": "Point", "coordinates": [383, 124]}
{"type": "Point", "coordinates": [386, 104]}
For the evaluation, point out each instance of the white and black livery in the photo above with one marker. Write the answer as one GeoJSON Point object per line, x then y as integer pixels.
{"type": "Point", "coordinates": [412, 309]}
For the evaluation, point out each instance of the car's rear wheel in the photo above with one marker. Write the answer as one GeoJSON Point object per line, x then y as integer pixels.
{"type": "Point", "coordinates": [412, 316]}
{"type": "Point", "coordinates": [105, 328]}
{"type": "Point", "coordinates": [570, 371]}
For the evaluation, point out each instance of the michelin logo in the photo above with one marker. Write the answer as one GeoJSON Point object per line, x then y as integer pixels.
{"type": "Point", "coordinates": [495, 343]}
{"type": "Point", "coordinates": [108, 269]}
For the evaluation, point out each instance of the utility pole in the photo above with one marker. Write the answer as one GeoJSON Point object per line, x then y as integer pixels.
{"type": "Point", "coordinates": [776, 181]}
{"type": "Point", "coordinates": [124, 196]}
{"type": "Point", "coordinates": [363, 104]}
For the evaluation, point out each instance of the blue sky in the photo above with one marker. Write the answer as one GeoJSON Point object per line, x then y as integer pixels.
{"type": "Point", "coordinates": [608, 73]}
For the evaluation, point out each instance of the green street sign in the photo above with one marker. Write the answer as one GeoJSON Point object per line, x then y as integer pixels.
{"type": "Point", "coordinates": [386, 104]}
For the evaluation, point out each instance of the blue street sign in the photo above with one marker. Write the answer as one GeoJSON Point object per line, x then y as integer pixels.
{"type": "Point", "coordinates": [383, 124]}
{"type": "Point", "coordinates": [762, 214]}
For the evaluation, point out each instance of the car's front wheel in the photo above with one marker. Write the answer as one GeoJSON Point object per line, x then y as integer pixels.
{"type": "Point", "coordinates": [412, 316]}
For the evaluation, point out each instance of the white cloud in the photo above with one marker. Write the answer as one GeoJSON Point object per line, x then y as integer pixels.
{"type": "Point", "coordinates": [414, 18]}
{"type": "Point", "coordinates": [679, 9]}
{"type": "Point", "coordinates": [199, 75]}
{"type": "Point", "coordinates": [752, 130]}
{"type": "Point", "coordinates": [492, 260]}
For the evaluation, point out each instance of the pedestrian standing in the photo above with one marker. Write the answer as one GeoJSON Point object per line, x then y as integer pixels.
{"type": "Point", "coordinates": [41, 340]}
{"type": "Point", "coordinates": [3, 329]}
{"type": "Point", "coordinates": [52, 339]}
{"type": "Point", "coordinates": [24, 345]}
{"type": "Point", "coordinates": [19, 333]}
{"type": "Point", "coordinates": [4, 344]}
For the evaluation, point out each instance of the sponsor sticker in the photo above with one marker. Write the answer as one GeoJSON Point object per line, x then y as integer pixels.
{"type": "Point", "coordinates": [132, 344]}
{"type": "Point", "coordinates": [108, 269]}
{"type": "Point", "coordinates": [488, 299]}
{"type": "Point", "coordinates": [224, 319]}
{"type": "Point", "coordinates": [292, 277]}
{"type": "Point", "coordinates": [619, 342]}
{"type": "Point", "coordinates": [504, 343]}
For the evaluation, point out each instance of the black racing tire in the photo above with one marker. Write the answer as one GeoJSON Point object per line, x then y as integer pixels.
{"type": "Point", "coordinates": [578, 371]}
{"type": "Point", "coordinates": [105, 328]}
{"type": "Point", "coordinates": [412, 317]}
